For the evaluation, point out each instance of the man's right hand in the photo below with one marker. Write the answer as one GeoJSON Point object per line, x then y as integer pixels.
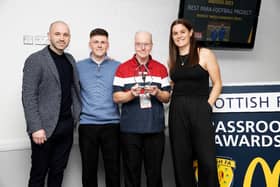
{"type": "Point", "coordinates": [39, 137]}
{"type": "Point", "coordinates": [135, 90]}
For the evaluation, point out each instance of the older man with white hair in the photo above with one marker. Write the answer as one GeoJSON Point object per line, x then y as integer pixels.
{"type": "Point", "coordinates": [141, 86]}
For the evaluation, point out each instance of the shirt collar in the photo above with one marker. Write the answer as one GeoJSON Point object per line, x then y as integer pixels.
{"type": "Point", "coordinates": [135, 61]}
{"type": "Point", "coordinates": [105, 58]}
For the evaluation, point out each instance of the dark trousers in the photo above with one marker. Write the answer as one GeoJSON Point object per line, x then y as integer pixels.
{"type": "Point", "coordinates": [106, 137]}
{"type": "Point", "coordinates": [192, 137]}
{"type": "Point", "coordinates": [51, 157]}
{"type": "Point", "coordinates": [137, 148]}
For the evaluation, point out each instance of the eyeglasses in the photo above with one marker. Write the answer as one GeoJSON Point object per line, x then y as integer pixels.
{"type": "Point", "coordinates": [141, 45]}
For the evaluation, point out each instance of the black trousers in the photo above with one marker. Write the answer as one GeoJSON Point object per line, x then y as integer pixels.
{"type": "Point", "coordinates": [106, 137]}
{"type": "Point", "coordinates": [192, 137]}
{"type": "Point", "coordinates": [137, 148]}
{"type": "Point", "coordinates": [51, 157]}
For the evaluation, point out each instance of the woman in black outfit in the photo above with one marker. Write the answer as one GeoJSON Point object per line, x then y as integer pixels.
{"type": "Point", "coordinates": [190, 127]}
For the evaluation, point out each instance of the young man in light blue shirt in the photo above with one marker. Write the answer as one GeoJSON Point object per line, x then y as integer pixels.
{"type": "Point", "coordinates": [99, 119]}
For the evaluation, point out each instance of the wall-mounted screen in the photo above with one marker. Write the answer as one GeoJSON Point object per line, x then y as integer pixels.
{"type": "Point", "coordinates": [222, 23]}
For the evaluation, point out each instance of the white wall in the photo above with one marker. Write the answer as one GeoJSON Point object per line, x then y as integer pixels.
{"type": "Point", "coordinates": [262, 63]}
{"type": "Point", "coordinates": [122, 18]}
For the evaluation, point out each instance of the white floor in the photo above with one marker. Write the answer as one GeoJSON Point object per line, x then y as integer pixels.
{"type": "Point", "coordinates": [15, 165]}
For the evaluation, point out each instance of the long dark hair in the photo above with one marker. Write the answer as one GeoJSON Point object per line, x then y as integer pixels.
{"type": "Point", "coordinates": [173, 49]}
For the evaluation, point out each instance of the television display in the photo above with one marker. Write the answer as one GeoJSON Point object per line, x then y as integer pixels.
{"type": "Point", "coordinates": [222, 24]}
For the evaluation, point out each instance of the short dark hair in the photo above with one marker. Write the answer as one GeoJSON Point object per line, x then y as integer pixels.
{"type": "Point", "coordinates": [98, 31]}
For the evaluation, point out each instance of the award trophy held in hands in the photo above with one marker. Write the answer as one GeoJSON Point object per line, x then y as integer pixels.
{"type": "Point", "coordinates": [143, 86]}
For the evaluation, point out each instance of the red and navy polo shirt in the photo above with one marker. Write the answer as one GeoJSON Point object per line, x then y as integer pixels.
{"type": "Point", "coordinates": [133, 118]}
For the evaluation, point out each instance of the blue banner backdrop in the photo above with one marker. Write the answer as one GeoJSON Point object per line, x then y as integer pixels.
{"type": "Point", "coordinates": [247, 125]}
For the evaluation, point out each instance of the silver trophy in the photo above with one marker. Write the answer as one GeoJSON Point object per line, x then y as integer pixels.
{"type": "Point", "coordinates": [142, 77]}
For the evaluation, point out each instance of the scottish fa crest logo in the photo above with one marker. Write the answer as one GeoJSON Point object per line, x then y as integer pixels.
{"type": "Point", "coordinates": [225, 167]}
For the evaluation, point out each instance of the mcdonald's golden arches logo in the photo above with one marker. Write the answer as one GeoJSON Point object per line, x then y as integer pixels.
{"type": "Point", "coordinates": [271, 176]}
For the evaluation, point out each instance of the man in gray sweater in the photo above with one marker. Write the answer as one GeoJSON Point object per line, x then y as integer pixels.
{"type": "Point", "coordinates": [51, 101]}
